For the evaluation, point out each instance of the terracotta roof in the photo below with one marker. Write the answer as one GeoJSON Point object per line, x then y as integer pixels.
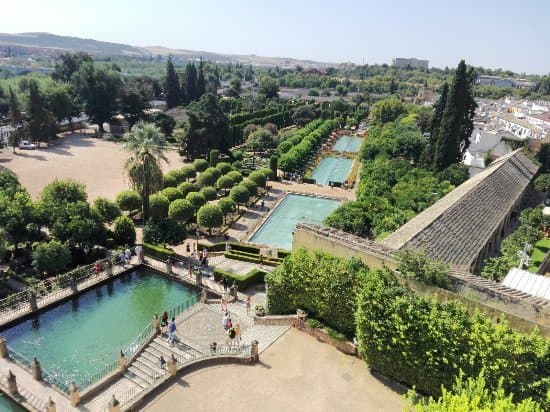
{"type": "Point", "coordinates": [457, 227]}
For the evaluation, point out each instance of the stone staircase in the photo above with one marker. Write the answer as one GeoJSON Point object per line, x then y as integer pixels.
{"type": "Point", "coordinates": [145, 369]}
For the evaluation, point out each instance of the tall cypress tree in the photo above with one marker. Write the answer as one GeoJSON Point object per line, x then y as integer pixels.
{"type": "Point", "coordinates": [173, 91]}
{"type": "Point", "coordinates": [457, 121]}
{"type": "Point", "coordinates": [16, 116]}
{"type": "Point", "coordinates": [201, 88]}
{"type": "Point", "coordinates": [191, 75]}
{"type": "Point", "coordinates": [435, 124]}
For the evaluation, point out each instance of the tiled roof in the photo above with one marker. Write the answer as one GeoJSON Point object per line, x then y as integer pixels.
{"type": "Point", "coordinates": [527, 282]}
{"type": "Point", "coordinates": [457, 227]}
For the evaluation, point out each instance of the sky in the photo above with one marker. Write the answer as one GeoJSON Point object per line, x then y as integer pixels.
{"type": "Point", "coordinates": [490, 33]}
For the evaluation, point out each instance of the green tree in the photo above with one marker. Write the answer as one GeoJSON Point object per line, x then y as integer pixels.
{"type": "Point", "coordinates": [196, 199]}
{"type": "Point", "coordinates": [208, 126]}
{"type": "Point", "coordinates": [273, 164]}
{"type": "Point", "coordinates": [214, 157]}
{"type": "Point", "coordinates": [41, 123]}
{"type": "Point", "coordinates": [236, 176]}
{"type": "Point", "coordinates": [107, 210]}
{"type": "Point", "coordinates": [134, 102]}
{"type": "Point", "coordinates": [191, 91]}
{"type": "Point", "coordinates": [173, 91]}
{"type": "Point", "coordinates": [386, 110]}
{"type": "Point", "coordinates": [225, 182]}
{"type": "Point", "coordinates": [171, 193]}
{"type": "Point", "coordinates": [201, 86]}
{"type": "Point", "coordinates": [185, 188]}
{"type": "Point", "coordinates": [60, 102]}
{"type": "Point", "coordinates": [303, 115]}
{"type": "Point", "coordinates": [51, 257]}
{"type": "Point", "coordinates": [251, 186]}
{"type": "Point", "coordinates": [209, 193]}
{"type": "Point", "coordinates": [210, 216]}
{"type": "Point", "coordinates": [471, 394]}
{"type": "Point", "coordinates": [268, 87]}
{"type": "Point", "coordinates": [124, 231]}
{"type": "Point", "coordinates": [98, 89]}
{"type": "Point", "coordinates": [456, 174]}
{"type": "Point", "coordinates": [158, 206]}
{"type": "Point", "coordinates": [227, 206]}
{"type": "Point", "coordinates": [206, 178]}
{"type": "Point", "coordinates": [258, 178]}
{"type": "Point", "coordinates": [457, 122]}
{"type": "Point", "coordinates": [181, 210]}
{"type": "Point", "coordinates": [128, 200]}
{"type": "Point", "coordinates": [146, 145]}
{"type": "Point", "coordinates": [260, 140]}
{"type": "Point", "coordinates": [224, 167]}
{"type": "Point", "coordinates": [542, 182]}
{"type": "Point", "coordinates": [239, 194]}
{"type": "Point", "coordinates": [235, 87]}
{"type": "Point", "coordinates": [200, 165]}
{"type": "Point", "coordinates": [68, 64]}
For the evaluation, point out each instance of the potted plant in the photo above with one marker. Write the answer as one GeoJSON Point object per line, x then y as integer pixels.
{"type": "Point", "coordinates": [260, 310]}
{"type": "Point", "coordinates": [302, 314]}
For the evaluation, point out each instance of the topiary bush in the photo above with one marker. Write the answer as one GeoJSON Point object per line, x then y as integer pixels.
{"type": "Point", "coordinates": [158, 206]}
{"type": "Point", "coordinates": [196, 199]}
{"type": "Point", "coordinates": [128, 200]}
{"type": "Point", "coordinates": [251, 186]}
{"type": "Point", "coordinates": [258, 178]}
{"type": "Point", "coordinates": [210, 216]}
{"type": "Point", "coordinates": [105, 209]}
{"type": "Point", "coordinates": [172, 193]}
{"type": "Point", "coordinates": [209, 193]}
{"type": "Point", "coordinates": [206, 179]}
{"type": "Point", "coordinates": [188, 171]}
{"type": "Point", "coordinates": [181, 210]}
{"type": "Point", "coordinates": [200, 165]}
{"type": "Point", "coordinates": [239, 194]}
{"type": "Point", "coordinates": [236, 176]}
{"type": "Point", "coordinates": [225, 182]}
{"type": "Point", "coordinates": [226, 205]}
{"type": "Point", "coordinates": [51, 257]}
{"type": "Point", "coordinates": [214, 157]}
{"type": "Point", "coordinates": [214, 172]}
{"type": "Point", "coordinates": [224, 167]}
{"type": "Point", "coordinates": [124, 231]}
{"type": "Point", "coordinates": [185, 188]}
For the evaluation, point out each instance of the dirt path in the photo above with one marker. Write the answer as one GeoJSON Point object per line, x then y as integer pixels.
{"type": "Point", "coordinates": [97, 163]}
{"type": "Point", "coordinates": [297, 373]}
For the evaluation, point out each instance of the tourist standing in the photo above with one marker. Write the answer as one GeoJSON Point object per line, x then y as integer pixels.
{"type": "Point", "coordinates": [238, 333]}
{"type": "Point", "coordinates": [247, 305]}
{"type": "Point", "coordinates": [172, 331]}
{"type": "Point", "coordinates": [164, 324]}
{"type": "Point", "coordinates": [225, 318]}
{"type": "Point", "coordinates": [162, 362]}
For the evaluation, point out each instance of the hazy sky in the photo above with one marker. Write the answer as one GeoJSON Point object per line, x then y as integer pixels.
{"type": "Point", "coordinates": [493, 33]}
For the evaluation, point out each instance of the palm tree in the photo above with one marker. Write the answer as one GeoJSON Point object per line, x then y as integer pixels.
{"type": "Point", "coordinates": [146, 144]}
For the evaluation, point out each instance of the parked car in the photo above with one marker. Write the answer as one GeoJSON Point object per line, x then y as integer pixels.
{"type": "Point", "coordinates": [25, 144]}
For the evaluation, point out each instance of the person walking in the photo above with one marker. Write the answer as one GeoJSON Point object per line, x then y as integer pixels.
{"type": "Point", "coordinates": [172, 331]}
{"type": "Point", "coordinates": [225, 318]}
{"type": "Point", "coordinates": [238, 333]}
{"type": "Point", "coordinates": [224, 283]}
{"type": "Point", "coordinates": [162, 362]}
{"type": "Point", "coordinates": [247, 305]}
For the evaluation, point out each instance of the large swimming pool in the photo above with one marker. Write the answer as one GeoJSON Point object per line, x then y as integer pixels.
{"type": "Point", "coordinates": [347, 144]}
{"type": "Point", "coordinates": [332, 169]}
{"type": "Point", "coordinates": [79, 338]}
{"type": "Point", "coordinates": [7, 405]}
{"type": "Point", "coordinates": [277, 230]}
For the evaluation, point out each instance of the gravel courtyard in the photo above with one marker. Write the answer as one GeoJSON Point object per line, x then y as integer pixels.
{"type": "Point", "coordinates": [97, 163]}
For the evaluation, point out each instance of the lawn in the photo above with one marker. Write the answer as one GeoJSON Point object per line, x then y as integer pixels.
{"type": "Point", "coordinates": [540, 250]}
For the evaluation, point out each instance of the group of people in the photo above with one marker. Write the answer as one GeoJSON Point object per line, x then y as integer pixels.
{"type": "Point", "coordinates": [168, 329]}
{"type": "Point", "coordinates": [125, 256]}
{"type": "Point", "coordinates": [233, 331]}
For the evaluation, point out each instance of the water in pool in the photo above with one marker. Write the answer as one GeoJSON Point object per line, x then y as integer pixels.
{"type": "Point", "coordinates": [347, 144]}
{"type": "Point", "coordinates": [7, 405]}
{"type": "Point", "coordinates": [293, 209]}
{"type": "Point", "coordinates": [332, 169]}
{"type": "Point", "coordinates": [77, 339]}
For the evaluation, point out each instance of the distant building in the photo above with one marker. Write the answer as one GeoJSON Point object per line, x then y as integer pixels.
{"type": "Point", "coordinates": [410, 62]}
{"type": "Point", "coordinates": [425, 96]}
{"type": "Point", "coordinates": [520, 127]}
{"type": "Point", "coordinates": [497, 81]}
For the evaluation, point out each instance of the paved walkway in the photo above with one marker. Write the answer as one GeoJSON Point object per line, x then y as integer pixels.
{"type": "Point", "coordinates": [334, 192]}
{"type": "Point", "coordinates": [297, 373]}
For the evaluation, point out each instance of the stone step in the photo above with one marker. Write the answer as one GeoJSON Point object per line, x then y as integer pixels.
{"type": "Point", "coordinates": [135, 379]}
{"type": "Point", "coordinates": [177, 348]}
{"type": "Point", "coordinates": [147, 366]}
{"type": "Point", "coordinates": [143, 375]}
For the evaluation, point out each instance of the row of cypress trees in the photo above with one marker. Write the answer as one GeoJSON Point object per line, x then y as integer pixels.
{"type": "Point", "coordinates": [191, 88]}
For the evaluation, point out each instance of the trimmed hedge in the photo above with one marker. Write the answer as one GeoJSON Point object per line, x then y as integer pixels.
{"type": "Point", "coordinates": [281, 253]}
{"type": "Point", "coordinates": [158, 251]}
{"type": "Point", "coordinates": [252, 258]}
{"type": "Point", "coordinates": [253, 277]}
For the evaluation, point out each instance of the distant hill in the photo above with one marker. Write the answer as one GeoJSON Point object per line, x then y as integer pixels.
{"type": "Point", "coordinates": [51, 43]}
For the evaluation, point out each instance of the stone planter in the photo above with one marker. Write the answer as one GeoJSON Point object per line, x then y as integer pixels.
{"type": "Point", "coordinates": [260, 313]}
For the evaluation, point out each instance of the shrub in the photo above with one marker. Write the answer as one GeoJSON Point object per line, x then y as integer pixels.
{"type": "Point", "coordinates": [251, 186]}
{"type": "Point", "coordinates": [105, 209]}
{"type": "Point", "coordinates": [172, 193]}
{"type": "Point", "coordinates": [161, 231]}
{"type": "Point", "coordinates": [226, 205]}
{"type": "Point", "coordinates": [258, 178]}
{"type": "Point", "coordinates": [158, 205]}
{"type": "Point", "coordinates": [239, 194]}
{"type": "Point", "coordinates": [236, 176]}
{"type": "Point", "coordinates": [273, 164]}
{"type": "Point", "coordinates": [225, 182]}
{"type": "Point", "coordinates": [267, 172]}
{"type": "Point", "coordinates": [200, 165]}
{"type": "Point", "coordinates": [206, 179]}
{"type": "Point", "coordinates": [51, 257]}
{"type": "Point", "coordinates": [209, 193]}
{"type": "Point", "coordinates": [281, 254]}
{"type": "Point", "coordinates": [181, 210]}
{"type": "Point", "coordinates": [237, 155]}
{"type": "Point", "coordinates": [224, 167]}
{"type": "Point", "coordinates": [243, 282]}
{"type": "Point", "coordinates": [169, 180]}
{"type": "Point", "coordinates": [185, 188]}
{"type": "Point", "coordinates": [158, 251]}
{"type": "Point", "coordinates": [214, 172]}
{"type": "Point", "coordinates": [210, 216]}
{"type": "Point", "coordinates": [196, 199]}
{"type": "Point", "coordinates": [321, 284]}
{"type": "Point", "coordinates": [314, 323]}
{"type": "Point", "coordinates": [128, 200]}
{"type": "Point", "coordinates": [124, 231]}
{"type": "Point", "coordinates": [214, 157]}
{"type": "Point", "coordinates": [188, 171]}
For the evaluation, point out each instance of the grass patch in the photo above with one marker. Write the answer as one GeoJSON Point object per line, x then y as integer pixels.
{"type": "Point", "coordinates": [253, 277]}
{"type": "Point", "coordinates": [540, 250]}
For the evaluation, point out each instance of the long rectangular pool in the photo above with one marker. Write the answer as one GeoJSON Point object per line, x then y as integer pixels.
{"type": "Point", "coordinates": [77, 339]}
{"type": "Point", "coordinates": [332, 169]}
{"type": "Point", "coordinates": [347, 143]}
{"type": "Point", "coordinates": [277, 230]}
